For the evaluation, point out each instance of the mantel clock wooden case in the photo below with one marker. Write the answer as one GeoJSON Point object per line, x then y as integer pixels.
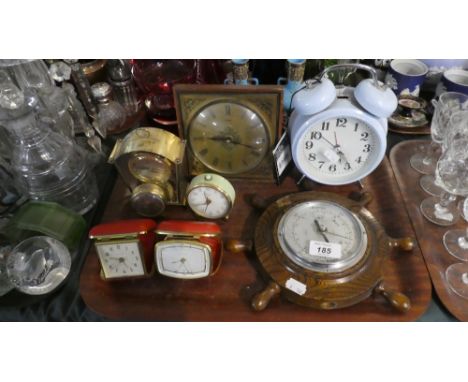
{"type": "Point", "coordinates": [230, 130]}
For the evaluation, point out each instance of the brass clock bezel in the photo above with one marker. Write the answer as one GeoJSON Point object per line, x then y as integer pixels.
{"type": "Point", "coordinates": [266, 101]}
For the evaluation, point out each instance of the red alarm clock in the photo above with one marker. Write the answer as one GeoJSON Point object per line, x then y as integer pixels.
{"type": "Point", "coordinates": [125, 248]}
{"type": "Point", "coordinates": [188, 249]}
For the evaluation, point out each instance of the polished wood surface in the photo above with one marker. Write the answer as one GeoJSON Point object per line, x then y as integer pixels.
{"type": "Point", "coordinates": [227, 296]}
{"type": "Point", "coordinates": [429, 235]}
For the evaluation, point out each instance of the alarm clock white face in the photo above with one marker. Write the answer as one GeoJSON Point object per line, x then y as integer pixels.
{"type": "Point", "coordinates": [209, 202]}
{"type": "Point", "coordinates": [183, 259]}
{"type": "Point", "coordinates": [120, 259]}
{"type": "Point", "coordinates": [337, 149]}
{"type": "Point", "coordinates": [322, 236]}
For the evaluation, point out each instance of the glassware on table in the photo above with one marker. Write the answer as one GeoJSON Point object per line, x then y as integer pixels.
{"type": "Point", "coordinates": [424, 160]}
{"type": "Point", "coordinates": [5, 284]}
{"type": "Point", "coordinates": [449, 103]}
{"type": "Point", "coordinates": [30, 74]}
{"type": "Point", "coordinates": [156, 78]}
{"type": "Point", "coordinates": [427, 183]}
{"type": "Point", "coordinates": [120, 77]}
{"type": "Point", "coordinates": [456, 127]}
{"type": "Point", "coordinates": [111, 115]}
{"type": "Point", "coordinates": [452, 177]}
{"type": "Point", "coordinates": [456, 276]}
{"type": "Point", "coordinates": [456, 240]}
{"type": "Point", "coordinates": [38, 265]}
{"type": "Point", "coordinates": [46, 164]}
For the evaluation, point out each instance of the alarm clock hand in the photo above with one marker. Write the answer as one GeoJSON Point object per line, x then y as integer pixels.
{"type": "Point", "coordinates": [321, 231]}
{"type": "Point", "coordinates": [330, 143]}
{"type": "Point", "coordinates": [337, 149]}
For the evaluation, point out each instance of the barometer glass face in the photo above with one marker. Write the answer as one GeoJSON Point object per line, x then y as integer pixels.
{"type": "Point", "coordinates": [322, 236]}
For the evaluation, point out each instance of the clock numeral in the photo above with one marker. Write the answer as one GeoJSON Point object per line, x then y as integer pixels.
{"type": "Point", "coordinates": [227, 109]}
{"type": "Point", "coordinates": [312, 157]}
{"type": "Point", "coordinates": [341, 122]}
{"type": "Point", "coordinates": [332, 168]}
{"type": "Point", "coordinates": [309, 145]}
{"type": "Point", "coordinates": [316, 135]}
{"type": "Point", "coordinates": [364, 136]}
{"type": "Point", "coordinates": [366, 148]}
{"type": "Point", "coordinates": [204, 152]}
{"type": "Point", "coordinates": [347, 166]}
{"type": "Point", "coordinates": [229, 164]}
{"type": "Point", "coordinates": [215, 162]}
{"type": "Point", "coordinates": [321, 163]}
{"type": "Point", "coordinates": [359, 159]}
{"type": "Point", "coordinates": [325, 126]}
{"type": "Point", "coordinates": [356, 126]}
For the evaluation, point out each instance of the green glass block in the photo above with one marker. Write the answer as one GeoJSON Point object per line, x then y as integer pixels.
{"type": "Point", "coordinates": [50, 219]}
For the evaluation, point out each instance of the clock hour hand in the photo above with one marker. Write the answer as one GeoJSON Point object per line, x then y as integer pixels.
{"type": "Point", "coordinates": [222, 138]}
{"type": "Point", "coordinates": [321, 231]}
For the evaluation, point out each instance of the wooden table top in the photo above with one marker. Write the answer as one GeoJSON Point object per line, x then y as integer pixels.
{"type": "Point", "coordinates": [226, 296]}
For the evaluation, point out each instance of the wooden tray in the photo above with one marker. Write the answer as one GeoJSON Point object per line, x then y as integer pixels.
{"type": "Point", "coordinates": [429, 235]}
{"type": "Point", "coordinates": [227, 295]}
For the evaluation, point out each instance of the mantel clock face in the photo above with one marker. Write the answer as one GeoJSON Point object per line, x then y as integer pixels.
{"type": "Point", "coordinates": [230, 130]}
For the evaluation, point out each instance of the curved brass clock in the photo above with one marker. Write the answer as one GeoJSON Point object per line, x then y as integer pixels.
{"type": "Point", "coordinates": [325, 251]}
{"type": "Point", "coordinates": [230, 130]}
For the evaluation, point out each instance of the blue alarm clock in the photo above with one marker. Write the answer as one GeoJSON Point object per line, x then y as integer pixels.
{"type": "Point", "coordinates": [338, 134]}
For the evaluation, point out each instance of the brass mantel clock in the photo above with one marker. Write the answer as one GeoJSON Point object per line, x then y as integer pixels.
{"type": "Point", "coordinates": [322, 250]}
{"type": "Point", "coordinates": [230, 130]}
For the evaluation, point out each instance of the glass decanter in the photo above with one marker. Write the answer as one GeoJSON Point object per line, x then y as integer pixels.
{"type": "Point", "coordinates": [111, 115]}
{"type": "Point", "coordinates": [46, 164]}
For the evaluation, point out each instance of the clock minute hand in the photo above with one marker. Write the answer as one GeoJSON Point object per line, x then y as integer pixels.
{"type": "Point", "coordinates": [229, 140]}
{"type": "Point", "coordinates": [244, 144]}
